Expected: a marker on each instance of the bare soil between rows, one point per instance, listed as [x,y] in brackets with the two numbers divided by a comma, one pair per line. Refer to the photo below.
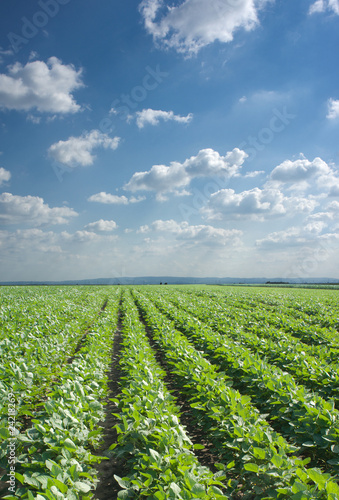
[108,488]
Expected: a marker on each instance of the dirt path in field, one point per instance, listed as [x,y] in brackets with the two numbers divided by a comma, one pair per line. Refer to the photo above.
[108,488]
[206,457]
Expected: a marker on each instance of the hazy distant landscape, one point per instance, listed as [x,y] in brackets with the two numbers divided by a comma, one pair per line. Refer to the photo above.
[175,280]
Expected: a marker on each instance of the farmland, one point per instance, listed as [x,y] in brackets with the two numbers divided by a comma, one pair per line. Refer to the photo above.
[160,392]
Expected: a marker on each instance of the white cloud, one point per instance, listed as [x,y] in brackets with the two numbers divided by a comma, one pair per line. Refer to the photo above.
[153,117]
[143,229]
[34,119]
[78,150]
[136,199]
[299,170]
[108,198]
[255,204]
[113,199]
[298,175]
[294,236]
[255,173]
[193,24]
[334,207]
[176,176]
[102,225]
[23,240]
[324,5]
[5,175]
[32,210]
[46,87]
[4,53]
[333,109]
[199,234]
[80,236]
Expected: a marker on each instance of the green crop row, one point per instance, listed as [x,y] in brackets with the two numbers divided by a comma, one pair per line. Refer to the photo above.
[151,439]
[53,457]
[310,328]
[310,420]
[279,349]
[258,458]
[38,343]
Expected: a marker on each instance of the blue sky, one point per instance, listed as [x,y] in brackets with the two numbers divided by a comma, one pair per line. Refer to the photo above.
[183,138]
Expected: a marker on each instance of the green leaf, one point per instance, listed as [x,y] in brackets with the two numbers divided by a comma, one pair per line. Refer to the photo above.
[198,447]
[298,487]
[69,445]
[333,488]
[259,453]
[4,433]
[160,495]
[123,482]
[175,488]
[20,477]
[154,454]
[317,477]
[83,487]
[123,494]
[333,461]
[198,489]
[251,467]
[62,487]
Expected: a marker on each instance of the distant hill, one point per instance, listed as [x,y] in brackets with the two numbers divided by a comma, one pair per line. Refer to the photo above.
[175,280]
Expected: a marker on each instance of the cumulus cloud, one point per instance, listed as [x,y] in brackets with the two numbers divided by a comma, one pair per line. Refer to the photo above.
[293,236]
[79,236]
[299,174]
[78,150]
[31,210]
[200,233]
[325,6]
[299,170]
[113,199]
[102,225]
[255,204]
[46,87]
[153,117]
[193,24]
[333,109]
[176,176]
[5,175]
[23,240]
[143,229]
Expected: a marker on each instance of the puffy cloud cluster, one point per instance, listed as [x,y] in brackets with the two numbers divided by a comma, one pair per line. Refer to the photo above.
[303,173]
[78,150]
[333,109]
[255,204]
[153,117]
[193,24]
[46,87]
[5,175]
[324,6]
[102,226]
[299,171]
[293,236]
[32,210]
[173,178]
[113,199]
[197,233]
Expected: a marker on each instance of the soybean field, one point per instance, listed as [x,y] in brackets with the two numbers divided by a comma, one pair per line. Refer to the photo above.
[169,392]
